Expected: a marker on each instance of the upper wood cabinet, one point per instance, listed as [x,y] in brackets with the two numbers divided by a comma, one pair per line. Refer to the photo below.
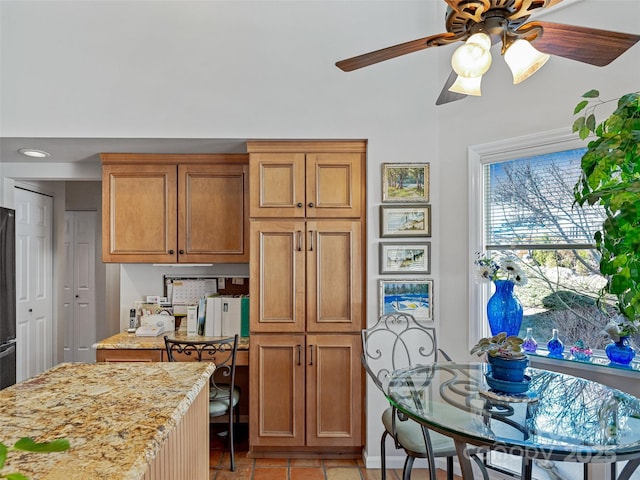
[175,208]
[306,276]
[306,179]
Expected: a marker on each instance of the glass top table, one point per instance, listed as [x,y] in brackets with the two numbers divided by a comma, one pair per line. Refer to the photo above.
[560,417]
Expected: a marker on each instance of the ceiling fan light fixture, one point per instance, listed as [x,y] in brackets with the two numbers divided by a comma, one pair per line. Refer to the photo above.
[473,59]
[467,86]
[523,60]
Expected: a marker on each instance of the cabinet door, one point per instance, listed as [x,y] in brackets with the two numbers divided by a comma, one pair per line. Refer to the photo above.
[277,183]
[139,219]
[213,213]
[334,185]
[276,390]
[334,390]
[334,276]
[277,269]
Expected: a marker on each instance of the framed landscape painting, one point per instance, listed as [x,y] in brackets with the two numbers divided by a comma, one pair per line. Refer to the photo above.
[405,257]
[405,220]
[414,297]
[405,182]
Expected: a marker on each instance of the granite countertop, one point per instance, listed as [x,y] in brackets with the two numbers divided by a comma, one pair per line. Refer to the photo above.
[116,416]
[126,340]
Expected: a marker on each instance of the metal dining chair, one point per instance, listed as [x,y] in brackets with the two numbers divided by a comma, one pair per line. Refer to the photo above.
[224,395]
[396,341]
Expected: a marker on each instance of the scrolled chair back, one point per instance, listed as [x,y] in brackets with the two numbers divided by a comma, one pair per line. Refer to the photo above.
[396,341]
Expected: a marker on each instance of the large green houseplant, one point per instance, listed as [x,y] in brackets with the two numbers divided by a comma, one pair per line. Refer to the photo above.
[611,178]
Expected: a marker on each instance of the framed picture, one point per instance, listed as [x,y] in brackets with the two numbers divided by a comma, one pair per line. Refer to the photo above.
[405,182]
[405,257]
[407,296]
[405,221]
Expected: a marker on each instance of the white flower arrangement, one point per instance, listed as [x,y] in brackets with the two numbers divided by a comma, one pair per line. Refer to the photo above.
[620,327]
[504,268]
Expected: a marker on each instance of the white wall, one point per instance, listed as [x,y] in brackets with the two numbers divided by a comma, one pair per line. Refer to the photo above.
[264,69]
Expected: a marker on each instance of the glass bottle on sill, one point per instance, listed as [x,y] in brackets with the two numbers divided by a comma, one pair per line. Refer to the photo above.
[529,345]
[555,345]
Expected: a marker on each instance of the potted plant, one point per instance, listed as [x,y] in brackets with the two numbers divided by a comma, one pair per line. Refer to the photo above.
[505,355]
[611,178]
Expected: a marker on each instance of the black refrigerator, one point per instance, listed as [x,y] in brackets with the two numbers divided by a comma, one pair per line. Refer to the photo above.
[7,297]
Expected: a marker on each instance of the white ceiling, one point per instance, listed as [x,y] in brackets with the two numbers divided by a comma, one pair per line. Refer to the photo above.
[71,150]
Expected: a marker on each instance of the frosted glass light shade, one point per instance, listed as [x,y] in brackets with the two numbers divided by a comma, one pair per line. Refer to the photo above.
[472,59]
[467,86]
[524,60]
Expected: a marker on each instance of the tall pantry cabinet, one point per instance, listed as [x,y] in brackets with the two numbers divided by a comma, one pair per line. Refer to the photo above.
[307,264]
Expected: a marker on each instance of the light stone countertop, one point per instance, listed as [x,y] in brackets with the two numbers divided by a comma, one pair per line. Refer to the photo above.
[116,416]
[127,341]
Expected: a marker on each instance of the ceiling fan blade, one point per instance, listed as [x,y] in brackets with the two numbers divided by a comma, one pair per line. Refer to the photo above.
[388,53]
[445,95]
[583,44]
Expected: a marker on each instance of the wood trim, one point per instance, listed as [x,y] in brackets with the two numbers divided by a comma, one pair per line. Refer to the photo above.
[185,452]
[171,158]
[133,355]
[307,146]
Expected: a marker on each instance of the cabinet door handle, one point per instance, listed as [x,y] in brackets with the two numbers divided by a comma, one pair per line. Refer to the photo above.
[311,240]
[299,233]
[310,354]
[170,252]
[299,204]
[181,252]
[299,355]
[310,204]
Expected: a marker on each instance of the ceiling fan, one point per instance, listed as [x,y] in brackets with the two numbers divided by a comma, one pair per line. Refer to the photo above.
[526,46]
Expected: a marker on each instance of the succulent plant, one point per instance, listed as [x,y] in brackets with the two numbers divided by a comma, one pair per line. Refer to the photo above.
[500,345]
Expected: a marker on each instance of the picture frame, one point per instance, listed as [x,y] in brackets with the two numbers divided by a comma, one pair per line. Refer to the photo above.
[414,297]
[405,182]
[405,257]
[405,220]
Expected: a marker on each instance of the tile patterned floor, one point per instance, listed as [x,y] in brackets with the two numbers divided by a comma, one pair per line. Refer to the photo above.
[294,468]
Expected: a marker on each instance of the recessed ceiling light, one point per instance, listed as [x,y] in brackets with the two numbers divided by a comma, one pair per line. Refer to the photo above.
[31,152]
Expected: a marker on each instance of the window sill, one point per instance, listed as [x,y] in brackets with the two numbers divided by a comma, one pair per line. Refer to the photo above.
[599,364]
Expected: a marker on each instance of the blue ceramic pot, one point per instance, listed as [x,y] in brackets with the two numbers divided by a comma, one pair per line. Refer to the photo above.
[620,352]
[510,370]
[504,311]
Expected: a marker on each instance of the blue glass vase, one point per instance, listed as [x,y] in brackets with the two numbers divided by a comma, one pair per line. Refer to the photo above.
[555,345]
[504,310]
[620,352]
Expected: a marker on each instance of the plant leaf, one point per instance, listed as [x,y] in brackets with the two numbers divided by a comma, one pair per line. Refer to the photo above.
[29,445]
[580,106]
[3,454]
[591,94]
[15,476]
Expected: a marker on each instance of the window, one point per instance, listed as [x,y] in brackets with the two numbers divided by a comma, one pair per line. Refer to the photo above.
[521,203]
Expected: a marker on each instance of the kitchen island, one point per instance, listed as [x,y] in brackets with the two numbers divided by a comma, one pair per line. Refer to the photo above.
[124,421]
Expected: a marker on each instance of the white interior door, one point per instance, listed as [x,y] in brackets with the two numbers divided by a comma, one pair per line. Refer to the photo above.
[34,305]
[79,286]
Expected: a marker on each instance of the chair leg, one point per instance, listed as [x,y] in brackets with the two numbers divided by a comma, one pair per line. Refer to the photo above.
[483,469]
[230,438]
[408,465]
[449,468]
[383,456]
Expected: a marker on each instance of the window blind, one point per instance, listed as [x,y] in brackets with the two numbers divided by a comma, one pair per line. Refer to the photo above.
[529,203]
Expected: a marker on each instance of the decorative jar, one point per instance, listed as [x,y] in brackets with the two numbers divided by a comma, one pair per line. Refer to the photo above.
[504,311]
[580,352]
[529,344]
[555,345]
[620,352]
